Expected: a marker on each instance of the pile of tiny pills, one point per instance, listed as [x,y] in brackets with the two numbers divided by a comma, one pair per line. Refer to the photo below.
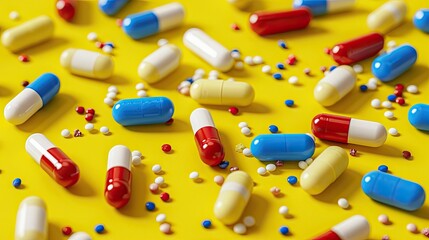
[245,128]
[304,164]
[141,92]
[111,96]
[264,170]
[136,157]
[241,228]
[252,61]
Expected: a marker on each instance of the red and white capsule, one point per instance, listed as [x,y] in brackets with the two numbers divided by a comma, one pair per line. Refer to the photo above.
[118,181]
[206,137]
[267,22]
[54,161]
[357,49]
[353,228]
[66,9]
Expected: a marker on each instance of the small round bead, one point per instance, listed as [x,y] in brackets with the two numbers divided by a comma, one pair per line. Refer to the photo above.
[107,49]
[194,175]
[371,86]
[92,36]
[166,148]
[223,164]
[391,97]
[261,171]
[373,81]
[425,232]
[293,80]
[159,180]
[165,228]
[160,218]
[111,95]
[284,230]
[89,127]
[273,128]
[99,228]
[283,210]
[139,86]
[136,153]
[232,169]
[246,131]
[136,160]
[156,168]
[389,114]
[236,55]
[243,124]
[206,223]
[99,44]
[406,154]
[16,182]
[280,66]
[161,42]
[77,133]
[289,103]
[214,73]
[271,167]
[375,103]
[307,71]
[239,65]
[153,187]
[282,44]
[302,164]
[292,180]
[89,117]
[248,60]
[141,93]
[277,76]
[164,196]
[104,130]
[249,221]
[65,133]
[218,180]
[90,111]
[332,68]
[400,101]
[14,15]
[383,218]
[363,88]
[23,58]
[411,227]
[247,152]
[185,91]
[266,69]
[309,161]
[109,44]
[383,168]
[108,101]
[398,93]
[412,89]
[25,83]
[113,89]
[150,206]
[327,51]
[233,110]
[240,228]
[393,131]
[67,231]
[385,237]
[343,203]
[386,104]
[358,68]
[275,191]
[258,60]
[353,152]
[399,87]
[80,110]
[391,44]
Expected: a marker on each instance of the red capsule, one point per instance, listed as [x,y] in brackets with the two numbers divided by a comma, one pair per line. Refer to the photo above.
[66,9]
[358,49]
[265,23]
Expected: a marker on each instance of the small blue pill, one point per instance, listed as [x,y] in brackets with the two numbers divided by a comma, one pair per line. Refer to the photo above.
[150,206]
[282,44]
[277,76]
[273,128]
[235,50]
[109,44]
[363,88]
[16,182]
[190,80]
[383,168]
[223,164]
[289,103]
[99,228]
[331,68]
[207,223]
[391,97]
[292,180]
[280,66]
[284,230]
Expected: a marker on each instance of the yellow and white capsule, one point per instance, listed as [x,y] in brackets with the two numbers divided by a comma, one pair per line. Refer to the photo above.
[160,63]
[387,17]
[30,33]
[324,170]
[87,63]
[31,220]
[233,197]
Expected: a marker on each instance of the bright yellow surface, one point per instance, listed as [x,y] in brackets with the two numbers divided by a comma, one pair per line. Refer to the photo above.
[83,206]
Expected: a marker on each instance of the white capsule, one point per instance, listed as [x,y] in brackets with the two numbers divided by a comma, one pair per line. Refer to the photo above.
[386,104]
[139,86]
[87,63]
[247,152]
[261,171]
[218,180]
[302,164]
[156,168]
[393,131]
[14,15]
[107,49]
[141,93]
[113,89]
[161,42]
[271,167]
[283,210]
[246,131]
[65,133]
[266,69]
[293,80]
[343,203]
[31,219]
[160,63]
[236,55]
[165,228]
[80,236]
[111,95]
[194,175]
[358,68]
[249,221]
[375,103]
[109,102]
[239,65]
[240,228]
[89,127]
[412,89]
[249,60]
[104,130]
[258,60]
[242,125]
[159,180]
[92,36]
[389,114]
[161,218]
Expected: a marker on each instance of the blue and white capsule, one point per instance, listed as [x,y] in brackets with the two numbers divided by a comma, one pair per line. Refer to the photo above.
[143,111]
[160,19]
[418,116]
[393,191]
[421,20]
[32,99]
[392,64]
[283,147]
[322,7]
[111,7]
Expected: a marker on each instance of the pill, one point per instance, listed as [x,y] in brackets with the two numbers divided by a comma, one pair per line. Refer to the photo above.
[87,63]
[391,65]
[393,191]
[353,228]
[348,130]
[160,63]
[66,9]
[206,137]
[30,33]
[272,22]
[31,219]
[80,236]
[143,111]
[220,92]
[322,7]
[241,4]
[357,49]
[233,197]
[208,49]
[160,19]
[118,181]
[418,116]
[111,7]
[388,16]
[325,169]
[421,20]
[283,147]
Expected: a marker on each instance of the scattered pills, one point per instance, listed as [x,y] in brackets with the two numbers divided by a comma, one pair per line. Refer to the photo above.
[383,168]
[261,171]
[109,101]
[165,228]
[343,203]
[236,55]
[412,89]
[275,191]
[400,101]
[194,175]
[389,114]
[65,133]
[358,68]
[150,206]
[160,218]
[271,167]
[159,180]
[293,80]
[206,223]
[283,210]
[282,44]
[104,130]
[371,86]
[243,124]
[391,97]
[136,153]
[223,164]
[307,71]
[425,232]
[280,66]
[239,65]
[376,103]
[240,228]
[92,36]
[23,58]
[16,182]
[246,131]
[99,228]
[77,133]
[107,49]
[233,110]
[111,95]
[156,168]
[383,218]
[153,187]
[247,152]
[248,60]
[140,86]
[411,227]
[363,88]
[25,83]
[302,164]
[386,104]
[393,131]
[112,89]
[309,161]
[161,42]
[249,221]
[218,179]
[278,76]
[353,152]
[284,230]
[266,69]
[385,237]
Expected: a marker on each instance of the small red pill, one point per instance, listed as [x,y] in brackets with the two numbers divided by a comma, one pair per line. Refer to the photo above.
[166,148]
[67,231]
[91,111]
[233,110]
[327,51]
[406,154]
[400,101]
[235,27]
[99,44]
[169,122]
[66,9]
[164,196]
[89,117]
[80,109]
[399,87]
[398,92]
[119,22]
[23,58]
[25,83]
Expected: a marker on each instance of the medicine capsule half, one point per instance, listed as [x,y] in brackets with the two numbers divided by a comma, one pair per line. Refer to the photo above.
[393,191]
[421,20]
[418,116]
[87,63]
[160,19]
[32,99]
[324,170]
[335,85]
[283,147]
[233,197]
[220,92]
[143,111]
[388,16]
[30,33]
[118,181]
[160,63]
[31,220]
[358,49]
[353,228]
[208,49]
[111,7]
[66,9]
[391,65]
[268,22]
[348,130]
[322,7]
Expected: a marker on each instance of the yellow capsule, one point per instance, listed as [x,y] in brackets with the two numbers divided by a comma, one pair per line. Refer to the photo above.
[160,63]
[87,63]
[387,17]
[220,92]
[325,169]
[233,197]
[31,220]
[30,33]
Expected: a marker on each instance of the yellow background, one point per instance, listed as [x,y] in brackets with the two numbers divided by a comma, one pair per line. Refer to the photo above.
[83,206]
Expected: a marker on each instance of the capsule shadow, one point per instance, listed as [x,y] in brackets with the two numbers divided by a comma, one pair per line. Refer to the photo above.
[54,42]
[82,188]
[84,13]
[309,31]
[136,207]
[131,7]
[54,231]
[255,5]
[115,79]
[415,75]
[5,92]
[402,30]
[344,186]
[255,107]
[385,150]
[238,73]
[177,126]
[255,208]
[355,12]
[172,81]
[352,102]
[423,212]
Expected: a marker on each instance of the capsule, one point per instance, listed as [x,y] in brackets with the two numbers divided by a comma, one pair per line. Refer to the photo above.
[66,9]
[421,20]
[283,147]
[206,137]
[325,169]
[387,17]
[353,228]
[418,116]
[160,63]
[31,220]
[87,63]
[348,130]
[266,23]
[233,197]
[322,7]
[241,4]
[143,111]
[208,49]
[111,7]
[357,49]
[393,191]
[118,180]
[160,19]
[220,92]
[32,99]
[335,85]
[391,65]
[80,236]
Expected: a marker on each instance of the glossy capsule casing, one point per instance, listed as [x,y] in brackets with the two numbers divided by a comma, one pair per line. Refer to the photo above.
[160,63]
[143,111]
[31,220]
[393,191]
[324,170]
[206,137]
[421,20]
[353,228]
[87,63]
[322,7]
[393,64]
[418,116]
[111,7]
[118,181]
[387,17]
[268,22]
[66,9]
[282,147]
[233,197]
[357,49]
[80,236]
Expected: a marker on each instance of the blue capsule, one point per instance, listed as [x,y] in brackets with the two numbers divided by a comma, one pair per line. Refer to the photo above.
[421,20]
[418,116]
[283,147]
[143,111]
[393,191]
[322,7]
[391,65]
[111,7]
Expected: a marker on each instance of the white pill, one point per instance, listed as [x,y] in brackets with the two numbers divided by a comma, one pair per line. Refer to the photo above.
[393,131]
[309,161]
[375,103]
[104,130]
[136,153]
[240,228]
[391,44]
[236,55]
[266,69]
[200,72]
[411,227]
[293,80]
[184,84]
[239,65]
[141,93]
[283,210]
[107,49]
[302,164]
[242,125]
[139,86]
[257,60]
[249,60]
[212,78]
[371,86]
[246,131]
[412,89]
[197,77]
[389,114]
[159,180]
[184,91]
[14,15]
[65,133]
[249,221]
[89,127]
[358,68]
[271,167]
[343,203]
[112,89]
[261,171]
[373,81]
[161,42]
[136,160]
[92,36]
[111,95]
[218,179]
[156,168]
[247,152]
[214,73]
[386,104]
[165,228]
[109,101]
[194,175]
[161,218]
